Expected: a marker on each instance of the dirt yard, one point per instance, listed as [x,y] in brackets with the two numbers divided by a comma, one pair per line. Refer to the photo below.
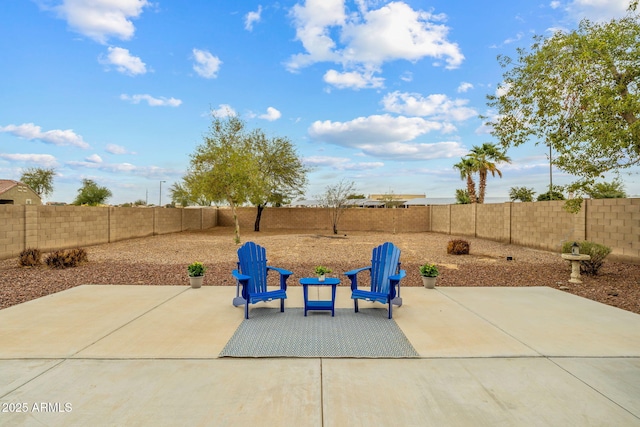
[162,260]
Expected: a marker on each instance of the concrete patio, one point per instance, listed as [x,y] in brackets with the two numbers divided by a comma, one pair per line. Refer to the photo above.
[147,355]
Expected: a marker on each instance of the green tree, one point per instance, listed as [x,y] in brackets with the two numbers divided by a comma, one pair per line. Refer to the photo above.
[576,91]
[180,194]
[91,194]
[467,167]
[524,194]
[554,194]
[281,173]
[606,190]
[39,180]
[224,168]
[485,158]
[335,198]
[462,197]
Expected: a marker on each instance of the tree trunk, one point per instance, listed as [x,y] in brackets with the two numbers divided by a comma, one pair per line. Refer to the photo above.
[482,187]
[236,223]
[471,189]
[256,226]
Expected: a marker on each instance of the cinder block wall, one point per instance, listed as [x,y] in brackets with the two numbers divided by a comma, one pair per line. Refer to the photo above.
[129,223]
[441,219]
[12,230]
[68,226]
[493,222]
[545,225]
[414,219]
[463,219]
[58,227]
[615,223]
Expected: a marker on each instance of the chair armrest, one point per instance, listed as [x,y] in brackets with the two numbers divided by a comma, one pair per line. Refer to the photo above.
[240,277]
[353,276]
[282,271]
[356,271]
[397,277]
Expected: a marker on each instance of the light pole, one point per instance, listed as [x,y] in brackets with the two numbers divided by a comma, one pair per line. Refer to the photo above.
[160,202]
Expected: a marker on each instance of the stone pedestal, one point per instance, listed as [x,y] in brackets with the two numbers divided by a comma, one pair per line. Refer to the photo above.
[575,266]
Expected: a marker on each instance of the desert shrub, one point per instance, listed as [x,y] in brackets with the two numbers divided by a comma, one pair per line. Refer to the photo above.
[458,247]
[66,258]
[30,257]
[597,252]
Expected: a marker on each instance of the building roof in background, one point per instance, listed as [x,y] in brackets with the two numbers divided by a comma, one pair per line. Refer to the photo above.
[8,184]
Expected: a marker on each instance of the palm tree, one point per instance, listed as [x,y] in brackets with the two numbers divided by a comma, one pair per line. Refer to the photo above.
[467,168]
[485,158]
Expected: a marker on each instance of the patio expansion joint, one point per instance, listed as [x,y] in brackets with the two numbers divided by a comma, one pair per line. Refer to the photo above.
[125,324]
[60,361]
[549,358]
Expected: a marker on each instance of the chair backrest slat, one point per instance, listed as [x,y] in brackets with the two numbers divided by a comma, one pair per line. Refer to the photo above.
[253,262]
[384,263]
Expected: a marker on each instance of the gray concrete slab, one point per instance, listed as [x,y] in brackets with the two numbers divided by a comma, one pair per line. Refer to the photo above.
[616,378]
[61,324]
[552,322]
[222,392]
[142,355]
[196,323]
[462,392]
[438,326]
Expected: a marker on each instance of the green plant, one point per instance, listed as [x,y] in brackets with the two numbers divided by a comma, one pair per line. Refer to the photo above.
[429,270]
[29,257]
[196,269]
[458,247]
[320,270]
[596,251]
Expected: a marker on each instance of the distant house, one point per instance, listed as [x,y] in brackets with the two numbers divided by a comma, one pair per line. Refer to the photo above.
[17,193]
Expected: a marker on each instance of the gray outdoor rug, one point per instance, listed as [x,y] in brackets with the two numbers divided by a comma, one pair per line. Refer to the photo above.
[367,334]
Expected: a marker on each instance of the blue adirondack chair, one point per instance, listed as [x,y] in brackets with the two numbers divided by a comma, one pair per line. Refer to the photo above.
[385,277]
[252,276]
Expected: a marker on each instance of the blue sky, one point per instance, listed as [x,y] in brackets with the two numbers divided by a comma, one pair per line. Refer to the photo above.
[385,94]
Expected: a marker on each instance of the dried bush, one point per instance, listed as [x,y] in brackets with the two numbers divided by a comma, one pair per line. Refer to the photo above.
[458,247]
[66,258]
[30,257]
[597,252]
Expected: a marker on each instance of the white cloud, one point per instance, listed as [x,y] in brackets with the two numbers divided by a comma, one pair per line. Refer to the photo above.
[117,149]
[597,10]
[151,101]
[94,158]
[206,65]
[152,172]
[251,18]
[341,163]
[464,87]
[366,39]
[124,62]
[385,136]
[436,106]
[56,137]
[554,4]
[224,110]
[353,80]
[44,160]
[102,19]
[407,76]
[271,114]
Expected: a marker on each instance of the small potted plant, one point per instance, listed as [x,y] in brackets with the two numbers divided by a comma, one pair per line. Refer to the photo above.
[429,272]
[321,272]
[196,274]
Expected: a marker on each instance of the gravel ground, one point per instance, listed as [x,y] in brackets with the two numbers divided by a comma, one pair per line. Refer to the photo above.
[162,260]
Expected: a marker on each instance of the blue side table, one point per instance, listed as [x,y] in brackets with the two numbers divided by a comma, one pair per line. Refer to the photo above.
[323,304]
